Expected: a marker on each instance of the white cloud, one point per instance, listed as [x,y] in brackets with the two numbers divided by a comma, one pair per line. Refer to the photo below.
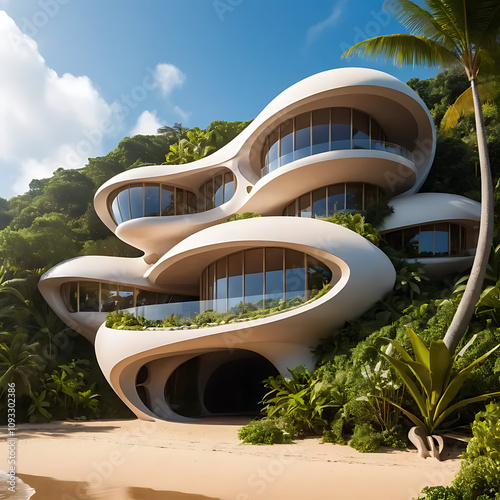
[317,29]
[147,124]
[47,121]
[183,114]
[168,77]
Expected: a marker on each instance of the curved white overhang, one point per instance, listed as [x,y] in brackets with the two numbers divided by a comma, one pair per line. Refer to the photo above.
[424,208]
[391,172]
[126,271]
[398,109]
[437,268]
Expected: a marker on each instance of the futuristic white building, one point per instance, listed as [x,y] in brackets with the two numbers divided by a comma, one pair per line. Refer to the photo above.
[336,141]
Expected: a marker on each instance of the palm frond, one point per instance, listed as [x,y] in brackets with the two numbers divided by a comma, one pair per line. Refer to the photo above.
[404,49]
[465,104]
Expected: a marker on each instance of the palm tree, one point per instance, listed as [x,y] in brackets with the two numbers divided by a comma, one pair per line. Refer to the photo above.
[174,133]
[447,33]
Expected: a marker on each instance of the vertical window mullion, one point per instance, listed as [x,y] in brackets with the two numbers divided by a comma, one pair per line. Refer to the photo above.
[143,198]
[284,275]
[351,126]
[370,133]
[306,286]
[330,133]
[264,278]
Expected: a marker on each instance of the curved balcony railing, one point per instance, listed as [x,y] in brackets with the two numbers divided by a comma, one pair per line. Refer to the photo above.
[374,145]
[235,305]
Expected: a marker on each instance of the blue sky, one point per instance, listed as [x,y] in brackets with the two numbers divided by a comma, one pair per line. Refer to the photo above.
[77,76]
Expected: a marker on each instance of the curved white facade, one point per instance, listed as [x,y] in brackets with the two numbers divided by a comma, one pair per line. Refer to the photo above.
[334,141]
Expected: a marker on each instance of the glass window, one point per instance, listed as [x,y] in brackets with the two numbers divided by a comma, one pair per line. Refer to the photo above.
[180,201]
[254,278]
[294,274]
[341,128]
[286,142]
[273,155]
[73,297]
[319,202]
[441,242]
[167,201]
[124,205]
[235,282]
[394,239]
[274,276]
[321,131]
[228,187]
[137,201]
[146,298]
[411,238]
[376,135]
[371,195]
[302,136]
[209,194]
[211,277]
[191,203]
[151,200]
[115,210]
[218,190]
[221,276]
[305,206]
[317,275]
[202,202]
[354,196]
[336,199]
[454,239]
[125,298]
[89,297]
[109,297]
[427,240]
[360,130]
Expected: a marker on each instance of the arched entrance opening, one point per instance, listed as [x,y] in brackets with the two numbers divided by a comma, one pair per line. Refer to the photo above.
[228,382]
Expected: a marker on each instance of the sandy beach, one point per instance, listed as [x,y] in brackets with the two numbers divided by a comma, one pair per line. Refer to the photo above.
[123,459]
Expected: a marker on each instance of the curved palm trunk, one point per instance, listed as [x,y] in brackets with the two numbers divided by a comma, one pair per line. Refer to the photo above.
[472,292]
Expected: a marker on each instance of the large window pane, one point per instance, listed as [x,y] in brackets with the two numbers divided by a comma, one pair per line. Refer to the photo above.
[209,194]
[354,196]
[360,130]
[115,210]
[273,155]
[180,201]
[254,278]
[454,239]
[319,202]
[167,200]
[371,195]
[295,279]
[151,200]
[137,201]
[336,199]
[441,241]
[109,297]
[228,187]
[427,240]
[305,206]
[274,276]
[191,203]
[211,281]
[302,136]
[202,201]
[411,238]
[221,277]
[146,298]
[317,275]
[218,190]
[124,204]
[286,142]
[341,128]
[89,297]
[125,299]
[73,297]
[321,131]
[235,281]
[395,240]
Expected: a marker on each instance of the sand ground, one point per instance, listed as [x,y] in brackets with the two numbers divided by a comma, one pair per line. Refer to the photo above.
[207,459]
